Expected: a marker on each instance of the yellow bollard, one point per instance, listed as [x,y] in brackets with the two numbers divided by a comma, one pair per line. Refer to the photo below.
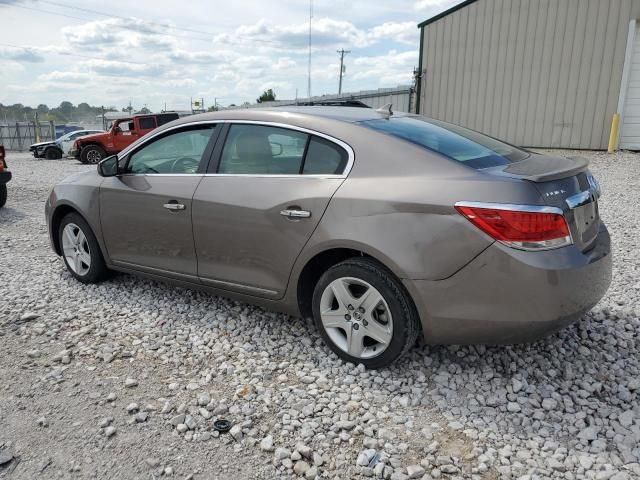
[613,136]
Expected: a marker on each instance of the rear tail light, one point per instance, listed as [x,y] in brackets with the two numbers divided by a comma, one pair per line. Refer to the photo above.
[526,227]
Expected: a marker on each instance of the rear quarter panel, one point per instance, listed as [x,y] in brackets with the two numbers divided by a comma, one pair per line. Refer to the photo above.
[397,205]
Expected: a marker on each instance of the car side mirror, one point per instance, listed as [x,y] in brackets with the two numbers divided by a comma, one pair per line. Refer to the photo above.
[108,167]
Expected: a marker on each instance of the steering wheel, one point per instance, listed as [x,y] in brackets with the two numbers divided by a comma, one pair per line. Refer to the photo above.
[185,165]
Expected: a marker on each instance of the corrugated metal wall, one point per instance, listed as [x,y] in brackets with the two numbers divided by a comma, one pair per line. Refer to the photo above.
[539,73]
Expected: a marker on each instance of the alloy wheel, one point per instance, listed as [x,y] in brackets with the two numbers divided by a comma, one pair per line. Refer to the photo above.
[76,249]
[93,156]
[356,317]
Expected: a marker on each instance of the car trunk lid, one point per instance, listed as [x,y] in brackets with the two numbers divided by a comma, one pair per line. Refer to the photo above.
[565,183]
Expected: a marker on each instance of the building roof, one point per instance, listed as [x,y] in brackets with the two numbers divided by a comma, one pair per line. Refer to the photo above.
[446,12]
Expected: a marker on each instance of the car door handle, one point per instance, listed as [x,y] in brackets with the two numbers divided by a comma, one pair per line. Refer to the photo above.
[174,206]
[295,213]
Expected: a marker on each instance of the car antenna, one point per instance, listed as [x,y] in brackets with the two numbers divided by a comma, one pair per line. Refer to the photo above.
[385,110]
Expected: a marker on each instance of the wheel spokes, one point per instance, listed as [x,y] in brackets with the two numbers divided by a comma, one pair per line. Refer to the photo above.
[342,293]
[334,319]
[378,332]
[355,341]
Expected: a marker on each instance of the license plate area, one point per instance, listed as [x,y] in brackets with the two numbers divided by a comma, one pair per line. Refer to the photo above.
[584,220]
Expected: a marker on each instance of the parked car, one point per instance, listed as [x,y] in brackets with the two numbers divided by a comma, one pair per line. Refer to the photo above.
[60,147]
[123,132]
[378,225]
[5,176]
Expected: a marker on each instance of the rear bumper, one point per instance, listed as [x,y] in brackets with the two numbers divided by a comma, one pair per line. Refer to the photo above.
[512,296]
[5,176]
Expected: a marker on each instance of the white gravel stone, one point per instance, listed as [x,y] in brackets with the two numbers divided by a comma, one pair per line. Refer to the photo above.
[266,444]
[564,407]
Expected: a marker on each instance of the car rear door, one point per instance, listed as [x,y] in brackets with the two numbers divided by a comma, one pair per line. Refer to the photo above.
[145,212]
[265,193]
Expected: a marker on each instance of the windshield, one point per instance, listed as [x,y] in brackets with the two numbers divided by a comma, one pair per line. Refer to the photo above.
[471,148]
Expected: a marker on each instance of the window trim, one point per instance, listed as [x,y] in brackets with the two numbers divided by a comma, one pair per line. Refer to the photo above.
[206,154]
[215,162]
[217,143]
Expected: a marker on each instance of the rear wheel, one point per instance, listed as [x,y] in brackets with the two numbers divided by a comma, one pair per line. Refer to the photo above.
[3,195]
[52,154]
[92,154]
[364,314]
[80,250]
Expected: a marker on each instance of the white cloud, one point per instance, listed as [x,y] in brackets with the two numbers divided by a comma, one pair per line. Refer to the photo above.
[27,55]
[392,69]
[402,32]
[325,32]
[113,60]
[424,4]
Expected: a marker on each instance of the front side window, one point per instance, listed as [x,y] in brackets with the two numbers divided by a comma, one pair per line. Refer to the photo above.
[176,152]
[262,150]
[126,126]
[471,148]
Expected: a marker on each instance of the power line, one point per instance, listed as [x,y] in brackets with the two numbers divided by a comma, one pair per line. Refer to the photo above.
[152,22]
[72,54]
[121,27]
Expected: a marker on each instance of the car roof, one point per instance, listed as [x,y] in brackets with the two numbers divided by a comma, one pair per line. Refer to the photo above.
[343,114]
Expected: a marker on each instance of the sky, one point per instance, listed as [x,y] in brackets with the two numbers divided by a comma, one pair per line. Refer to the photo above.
[164,52]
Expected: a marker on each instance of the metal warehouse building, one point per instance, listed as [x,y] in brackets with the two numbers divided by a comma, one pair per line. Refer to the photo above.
[538,73]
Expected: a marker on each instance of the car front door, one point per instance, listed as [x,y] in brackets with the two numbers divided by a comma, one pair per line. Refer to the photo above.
[123,135]
[145,212]
[254,212]
[67,143]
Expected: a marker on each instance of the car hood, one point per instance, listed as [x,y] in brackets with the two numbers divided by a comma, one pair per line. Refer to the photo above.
[42,144]
[94,136]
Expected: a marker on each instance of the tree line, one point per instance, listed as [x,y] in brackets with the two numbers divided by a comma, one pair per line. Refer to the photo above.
[66,112]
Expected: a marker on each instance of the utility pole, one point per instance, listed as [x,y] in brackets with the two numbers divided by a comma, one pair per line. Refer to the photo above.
[309,73]
[342,53]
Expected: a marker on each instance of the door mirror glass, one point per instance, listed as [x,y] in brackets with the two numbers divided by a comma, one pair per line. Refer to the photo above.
[108,167]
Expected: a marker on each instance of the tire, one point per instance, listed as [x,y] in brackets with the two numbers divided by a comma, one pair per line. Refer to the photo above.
[3,195]
[92,154]
[52,154]
[90,267]
[390,317]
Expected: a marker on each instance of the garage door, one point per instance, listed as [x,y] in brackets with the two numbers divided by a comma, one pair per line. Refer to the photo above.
[630,132]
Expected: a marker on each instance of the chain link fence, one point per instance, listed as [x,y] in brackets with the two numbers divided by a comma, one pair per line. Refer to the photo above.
[20,135]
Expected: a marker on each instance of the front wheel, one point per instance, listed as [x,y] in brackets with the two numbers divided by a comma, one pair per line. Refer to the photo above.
[364,314]
[52,154]
[92,154]
[80,250]
[3,195]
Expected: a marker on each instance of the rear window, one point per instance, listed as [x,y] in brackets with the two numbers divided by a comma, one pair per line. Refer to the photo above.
[471,148]
[324,158]
[147,122]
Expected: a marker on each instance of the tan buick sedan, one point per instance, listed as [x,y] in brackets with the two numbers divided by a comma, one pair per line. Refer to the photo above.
[380,226]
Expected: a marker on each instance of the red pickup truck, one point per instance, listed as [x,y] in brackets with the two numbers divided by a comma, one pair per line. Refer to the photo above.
[123,132]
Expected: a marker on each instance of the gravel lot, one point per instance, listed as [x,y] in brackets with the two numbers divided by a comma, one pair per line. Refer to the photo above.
[124,379]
